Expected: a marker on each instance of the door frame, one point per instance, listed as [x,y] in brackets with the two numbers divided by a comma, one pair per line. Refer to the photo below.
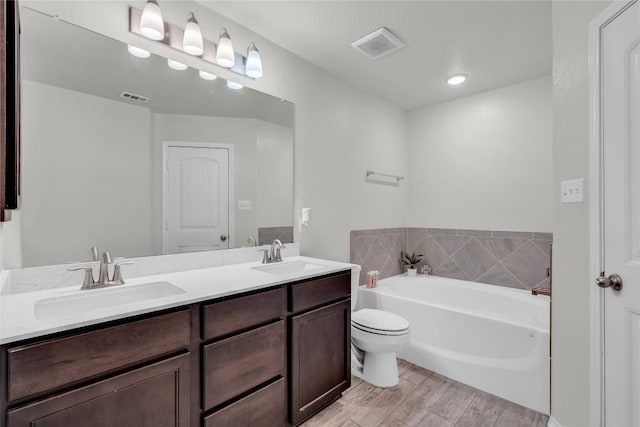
[165,189]
[596,210]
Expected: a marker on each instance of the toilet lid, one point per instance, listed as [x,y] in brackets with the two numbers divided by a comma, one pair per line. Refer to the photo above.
[379,320]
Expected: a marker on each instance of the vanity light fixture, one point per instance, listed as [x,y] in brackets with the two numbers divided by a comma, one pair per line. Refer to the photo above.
[192,42]
[148,23]
[175,65]
[234,85]
[151,22]
[207,76]
[456,79]
[253,67]
[138,52]
[225,56]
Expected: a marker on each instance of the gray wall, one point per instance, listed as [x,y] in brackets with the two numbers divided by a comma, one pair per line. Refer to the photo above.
[489,154]
[571,280]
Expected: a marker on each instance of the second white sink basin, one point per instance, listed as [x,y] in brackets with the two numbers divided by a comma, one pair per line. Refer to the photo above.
[289,267]
[86,301]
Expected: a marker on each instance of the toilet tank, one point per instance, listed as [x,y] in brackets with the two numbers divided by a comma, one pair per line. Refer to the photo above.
[355,280]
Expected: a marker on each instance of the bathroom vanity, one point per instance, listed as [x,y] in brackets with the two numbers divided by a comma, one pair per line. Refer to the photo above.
[270,356]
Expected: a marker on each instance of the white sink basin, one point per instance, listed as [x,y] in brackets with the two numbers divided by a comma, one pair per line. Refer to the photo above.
[289,267]
[90,300]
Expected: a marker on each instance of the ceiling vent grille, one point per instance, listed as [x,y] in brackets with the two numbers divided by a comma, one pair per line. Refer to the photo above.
[133,97]
[379,43]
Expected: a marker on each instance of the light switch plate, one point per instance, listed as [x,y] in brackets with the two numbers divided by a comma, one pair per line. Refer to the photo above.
[244,205]
[572,191]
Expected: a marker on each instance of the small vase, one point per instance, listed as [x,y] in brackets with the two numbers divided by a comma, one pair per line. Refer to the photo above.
[411,272]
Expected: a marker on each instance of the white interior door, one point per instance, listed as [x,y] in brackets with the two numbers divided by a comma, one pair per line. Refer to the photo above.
[197,199]
[620,115]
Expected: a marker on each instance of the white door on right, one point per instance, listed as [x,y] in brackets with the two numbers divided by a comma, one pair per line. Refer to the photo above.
[620,115]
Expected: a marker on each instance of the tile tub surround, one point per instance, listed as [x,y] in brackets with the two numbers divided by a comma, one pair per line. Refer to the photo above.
[378,249]
[504,258]
[266,235]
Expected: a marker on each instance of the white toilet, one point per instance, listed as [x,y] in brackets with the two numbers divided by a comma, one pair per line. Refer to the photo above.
[376,336]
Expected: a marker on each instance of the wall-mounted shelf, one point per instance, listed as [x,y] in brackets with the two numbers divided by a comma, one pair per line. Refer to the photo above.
[388,178]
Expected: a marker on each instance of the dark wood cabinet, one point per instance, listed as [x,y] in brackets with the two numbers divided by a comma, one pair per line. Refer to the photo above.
[242,361]
[238,364]
[263,408]
[156,395]
[320,358]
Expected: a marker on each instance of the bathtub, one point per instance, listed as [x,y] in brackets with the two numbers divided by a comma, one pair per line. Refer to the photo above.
[490,337]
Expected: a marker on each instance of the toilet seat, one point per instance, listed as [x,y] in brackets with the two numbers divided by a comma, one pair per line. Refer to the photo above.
[379,322]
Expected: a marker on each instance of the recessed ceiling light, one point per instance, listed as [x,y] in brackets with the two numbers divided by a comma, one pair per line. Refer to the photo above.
[234,85]
[456,79]
[136,51]
[175,65]
[207,76]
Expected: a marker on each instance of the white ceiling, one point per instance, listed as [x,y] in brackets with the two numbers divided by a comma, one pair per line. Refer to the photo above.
[496,43]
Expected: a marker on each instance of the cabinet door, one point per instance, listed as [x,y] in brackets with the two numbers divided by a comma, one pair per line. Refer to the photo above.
[320,358]
[153,396]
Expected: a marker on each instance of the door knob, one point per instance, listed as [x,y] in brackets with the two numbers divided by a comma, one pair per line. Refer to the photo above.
[223,237]
[613,281]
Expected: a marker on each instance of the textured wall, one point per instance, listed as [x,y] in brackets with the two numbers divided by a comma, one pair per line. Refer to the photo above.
[483,162]
[570,374]
[504,258]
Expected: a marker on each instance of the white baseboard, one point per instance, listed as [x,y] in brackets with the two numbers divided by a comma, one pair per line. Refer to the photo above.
[553,423]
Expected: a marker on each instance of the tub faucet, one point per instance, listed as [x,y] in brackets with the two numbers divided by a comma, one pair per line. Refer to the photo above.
[426,270]
[541,291]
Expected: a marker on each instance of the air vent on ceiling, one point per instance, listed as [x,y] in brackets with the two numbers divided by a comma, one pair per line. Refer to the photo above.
[379,43]
[133,97]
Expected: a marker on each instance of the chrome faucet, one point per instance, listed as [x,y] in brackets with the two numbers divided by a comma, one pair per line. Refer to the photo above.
[252,241]
[103,278]
[272,254]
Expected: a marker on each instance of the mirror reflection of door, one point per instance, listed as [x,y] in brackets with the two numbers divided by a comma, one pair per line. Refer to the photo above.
[196,197]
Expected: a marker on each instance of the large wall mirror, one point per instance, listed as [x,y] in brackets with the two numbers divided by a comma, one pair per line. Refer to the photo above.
[128,155]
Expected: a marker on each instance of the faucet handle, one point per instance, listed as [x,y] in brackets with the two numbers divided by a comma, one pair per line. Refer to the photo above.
[117,273]
[88,274]
[278,256]
[265,255]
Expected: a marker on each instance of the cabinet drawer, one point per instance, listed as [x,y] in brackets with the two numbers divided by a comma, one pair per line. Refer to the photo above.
[153,396]
[39,367]
[237,364]
[263,408]
[225,317]
[320,291]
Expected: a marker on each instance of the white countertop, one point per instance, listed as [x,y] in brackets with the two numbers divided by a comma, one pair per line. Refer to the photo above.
[18,320]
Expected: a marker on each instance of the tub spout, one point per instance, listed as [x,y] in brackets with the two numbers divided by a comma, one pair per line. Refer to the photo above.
[541,291]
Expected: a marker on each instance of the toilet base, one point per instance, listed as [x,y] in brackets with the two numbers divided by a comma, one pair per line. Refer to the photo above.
[380,369]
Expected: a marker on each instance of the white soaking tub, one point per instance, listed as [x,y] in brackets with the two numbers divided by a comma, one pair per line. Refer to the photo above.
[489,337]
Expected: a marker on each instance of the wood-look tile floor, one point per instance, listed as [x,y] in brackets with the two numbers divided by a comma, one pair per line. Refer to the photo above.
[423,399]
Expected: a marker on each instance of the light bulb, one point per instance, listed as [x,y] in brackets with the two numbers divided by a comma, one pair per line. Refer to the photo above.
[225,56]
[234,85]
[253,67]
[456,79]
[136,51]
[175,65]
[151,23]
[192,40]
[207,76]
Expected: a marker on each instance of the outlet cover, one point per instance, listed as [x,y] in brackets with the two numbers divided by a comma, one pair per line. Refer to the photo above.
[244,205]
[572,191]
